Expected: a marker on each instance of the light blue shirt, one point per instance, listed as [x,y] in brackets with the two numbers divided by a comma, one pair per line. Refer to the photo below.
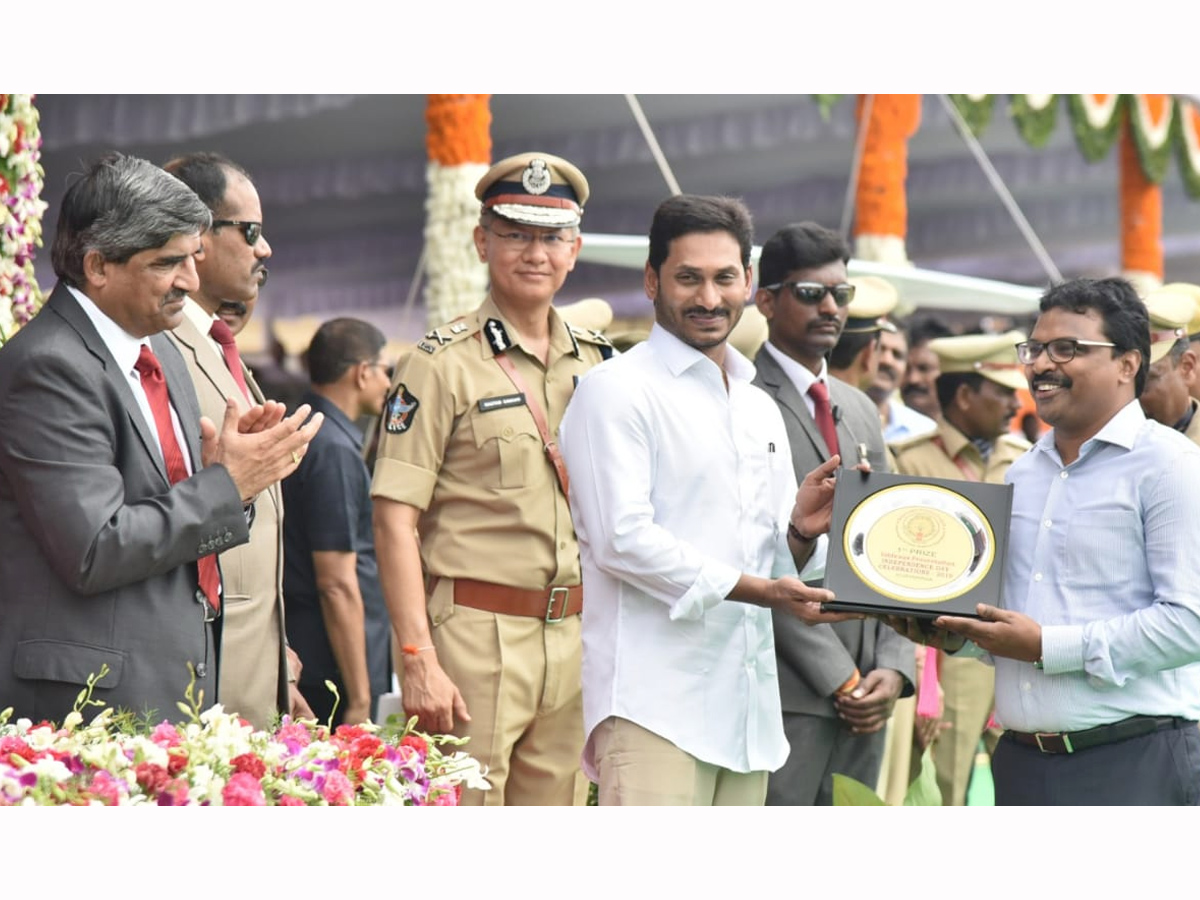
[904,421]
[1105,555]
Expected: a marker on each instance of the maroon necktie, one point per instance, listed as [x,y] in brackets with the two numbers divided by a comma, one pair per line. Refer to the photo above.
[155,386]
[823,414]
[222,335]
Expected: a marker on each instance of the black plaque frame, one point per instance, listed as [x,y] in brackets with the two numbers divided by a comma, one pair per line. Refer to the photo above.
[855,594]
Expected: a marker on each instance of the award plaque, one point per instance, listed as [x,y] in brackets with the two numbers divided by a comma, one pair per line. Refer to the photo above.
[907,546]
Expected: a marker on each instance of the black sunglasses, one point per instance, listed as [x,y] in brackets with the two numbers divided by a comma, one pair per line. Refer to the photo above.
[813,292]
[251,231]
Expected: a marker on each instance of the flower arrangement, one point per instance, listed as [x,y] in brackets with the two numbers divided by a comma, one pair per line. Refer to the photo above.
[21,209]
[217,759]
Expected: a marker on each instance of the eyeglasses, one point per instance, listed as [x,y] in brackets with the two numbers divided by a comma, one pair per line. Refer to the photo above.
[251,231]
[813,292]
[1060,350]
[553,241]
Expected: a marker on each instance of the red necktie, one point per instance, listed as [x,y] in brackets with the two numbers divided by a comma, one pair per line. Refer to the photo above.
[222,335]
[155,386]
[823,414]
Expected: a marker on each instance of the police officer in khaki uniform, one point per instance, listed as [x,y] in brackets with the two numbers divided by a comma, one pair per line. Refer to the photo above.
[976,389]
[477,552]
[1173,364]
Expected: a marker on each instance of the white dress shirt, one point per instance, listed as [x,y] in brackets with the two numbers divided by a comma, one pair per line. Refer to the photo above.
[678,487]
[802,379]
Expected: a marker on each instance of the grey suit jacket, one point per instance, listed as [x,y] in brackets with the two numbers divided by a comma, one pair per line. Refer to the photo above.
[253,664]
[98,549]
[815,660]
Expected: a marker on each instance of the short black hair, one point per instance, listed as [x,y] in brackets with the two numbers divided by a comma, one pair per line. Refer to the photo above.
[848,347]
[340,344]
[689,213]
[802,245]
[205,172]
[1123,315]
[923,329]
[948,382]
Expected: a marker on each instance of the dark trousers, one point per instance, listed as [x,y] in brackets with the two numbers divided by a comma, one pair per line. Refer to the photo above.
[1158,769]
[821,746]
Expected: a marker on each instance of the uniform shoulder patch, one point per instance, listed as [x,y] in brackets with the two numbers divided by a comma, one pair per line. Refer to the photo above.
[400,411]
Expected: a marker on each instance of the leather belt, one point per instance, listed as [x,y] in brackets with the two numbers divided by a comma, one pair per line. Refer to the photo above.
[1074,741]
[553,604]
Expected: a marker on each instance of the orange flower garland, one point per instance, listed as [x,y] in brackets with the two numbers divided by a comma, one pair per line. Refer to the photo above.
[459,128]
[1141,216]
[881,205]
[459,145]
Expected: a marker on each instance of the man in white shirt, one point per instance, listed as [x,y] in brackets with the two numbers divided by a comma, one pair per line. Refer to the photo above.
[684,498]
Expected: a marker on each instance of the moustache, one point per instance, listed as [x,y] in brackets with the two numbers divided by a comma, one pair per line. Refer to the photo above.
[233,306]
[914,389]
[888,372]
[174,296]
[701,311]
[1061,381]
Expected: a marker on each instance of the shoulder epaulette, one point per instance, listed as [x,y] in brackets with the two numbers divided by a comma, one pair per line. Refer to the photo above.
[443,335]
[907,443]
[590,335]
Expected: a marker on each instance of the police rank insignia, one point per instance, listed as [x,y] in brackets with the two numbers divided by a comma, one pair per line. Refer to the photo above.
[536,177]
[497,337]
[401,410]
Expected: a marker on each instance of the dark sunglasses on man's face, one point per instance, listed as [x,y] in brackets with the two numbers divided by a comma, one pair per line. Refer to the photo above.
[811,293]
[251,231]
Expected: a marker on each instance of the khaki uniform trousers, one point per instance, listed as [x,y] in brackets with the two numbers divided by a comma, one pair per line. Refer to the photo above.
[520,678]
[970,691]
[639,768]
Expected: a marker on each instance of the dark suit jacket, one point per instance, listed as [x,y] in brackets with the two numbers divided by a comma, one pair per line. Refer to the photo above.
[815,660]
[97,549]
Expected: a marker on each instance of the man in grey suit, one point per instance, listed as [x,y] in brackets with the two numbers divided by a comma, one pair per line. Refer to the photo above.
[838,682]
[114,492]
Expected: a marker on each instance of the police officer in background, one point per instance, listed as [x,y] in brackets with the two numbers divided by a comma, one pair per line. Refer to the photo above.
[477,551]
[976,390]
[1173,374]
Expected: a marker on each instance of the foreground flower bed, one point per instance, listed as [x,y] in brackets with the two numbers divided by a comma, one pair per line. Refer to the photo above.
[218,759]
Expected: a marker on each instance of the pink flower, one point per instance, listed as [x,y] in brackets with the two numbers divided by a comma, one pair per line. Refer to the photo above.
[243,789]
[338,790]
[174,793]
[444,798]
[165,735]
[10,746]
[152,777]
[289,800]
[105,788]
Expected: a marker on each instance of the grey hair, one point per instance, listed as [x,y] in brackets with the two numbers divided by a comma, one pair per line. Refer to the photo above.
[121,206]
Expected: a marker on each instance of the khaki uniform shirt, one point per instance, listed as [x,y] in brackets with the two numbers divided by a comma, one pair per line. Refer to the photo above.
[460,443]
[922,456]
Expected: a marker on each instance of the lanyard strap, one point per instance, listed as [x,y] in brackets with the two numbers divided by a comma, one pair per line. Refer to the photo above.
[539,419]
[962,464]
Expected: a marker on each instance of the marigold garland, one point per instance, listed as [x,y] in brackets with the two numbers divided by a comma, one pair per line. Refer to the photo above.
[1141,213]
[1095,119]
[1150,119]
[881,206]
[459,145]
[1186,129]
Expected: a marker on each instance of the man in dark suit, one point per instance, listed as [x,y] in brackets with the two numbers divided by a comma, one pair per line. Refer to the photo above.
[838,682]
[114,492]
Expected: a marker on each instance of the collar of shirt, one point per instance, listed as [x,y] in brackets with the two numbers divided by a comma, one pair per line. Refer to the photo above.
[334,415]
[122,345]
[561,341]
[1122,429]
[202,319]
[798,374]
[678,357]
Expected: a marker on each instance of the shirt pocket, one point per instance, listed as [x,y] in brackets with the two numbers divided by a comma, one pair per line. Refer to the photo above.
[511,447]
[1104,550]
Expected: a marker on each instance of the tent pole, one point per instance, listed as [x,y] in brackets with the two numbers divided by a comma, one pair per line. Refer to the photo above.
[652,142]
[860,144]
[1006,197]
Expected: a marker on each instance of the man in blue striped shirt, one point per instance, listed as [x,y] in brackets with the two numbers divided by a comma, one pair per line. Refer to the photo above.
[1097,643]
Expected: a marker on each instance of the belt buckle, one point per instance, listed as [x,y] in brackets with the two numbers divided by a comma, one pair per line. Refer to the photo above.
[1063,737]
[556,592]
